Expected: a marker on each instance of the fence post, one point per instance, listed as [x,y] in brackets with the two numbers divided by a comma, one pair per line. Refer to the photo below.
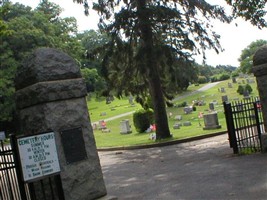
[13,142]
[230,126]
[257,122]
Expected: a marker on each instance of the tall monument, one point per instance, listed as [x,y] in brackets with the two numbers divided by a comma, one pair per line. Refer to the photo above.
[50,97]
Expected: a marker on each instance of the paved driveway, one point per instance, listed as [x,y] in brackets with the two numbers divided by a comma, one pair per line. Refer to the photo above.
[204,169]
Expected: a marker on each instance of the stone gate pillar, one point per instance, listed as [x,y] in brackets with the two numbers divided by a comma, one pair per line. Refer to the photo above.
[260,71]
[50,96]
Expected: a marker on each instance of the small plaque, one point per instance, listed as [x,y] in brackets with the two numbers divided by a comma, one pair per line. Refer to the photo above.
[73,145]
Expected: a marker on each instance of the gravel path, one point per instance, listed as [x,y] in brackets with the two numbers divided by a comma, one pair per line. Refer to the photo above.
[206,87]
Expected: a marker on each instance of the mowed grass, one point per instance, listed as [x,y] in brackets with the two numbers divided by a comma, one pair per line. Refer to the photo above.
[115,139]
[99,110]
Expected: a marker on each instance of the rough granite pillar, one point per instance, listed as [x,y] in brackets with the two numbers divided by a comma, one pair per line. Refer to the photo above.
[50,96]
[260,71]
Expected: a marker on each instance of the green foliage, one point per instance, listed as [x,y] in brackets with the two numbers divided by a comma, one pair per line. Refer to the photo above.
[202,79]
[253,10]
[242,88]
[248,88]
[94,83]
[235,74]
[147,37]
[224,77]
[181,105]
[142,119]
[246,57]
[22,30]
[220,77]
[214,79]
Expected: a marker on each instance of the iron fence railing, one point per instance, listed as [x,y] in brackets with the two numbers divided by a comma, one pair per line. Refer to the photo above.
[244,124]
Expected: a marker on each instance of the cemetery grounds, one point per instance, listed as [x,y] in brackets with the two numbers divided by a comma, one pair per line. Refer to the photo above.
[120,109]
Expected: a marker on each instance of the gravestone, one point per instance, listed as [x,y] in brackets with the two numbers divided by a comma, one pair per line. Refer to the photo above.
[188,109]
[51,97]
[224,98]
[176,126]
[230,85]
[211,106]
[260,71]
[234,79]
[211,121]
[187,123]
[125,127]
[131,99]
[222,90]
[103,114]
[246,94]
[178,117]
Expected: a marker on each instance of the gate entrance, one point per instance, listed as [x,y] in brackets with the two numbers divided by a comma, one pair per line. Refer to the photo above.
[244,124]
[12,186]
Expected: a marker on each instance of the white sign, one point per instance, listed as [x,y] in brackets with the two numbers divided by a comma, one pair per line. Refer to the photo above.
[38,156]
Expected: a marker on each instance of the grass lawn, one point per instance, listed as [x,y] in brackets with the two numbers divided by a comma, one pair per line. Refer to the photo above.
[114,138]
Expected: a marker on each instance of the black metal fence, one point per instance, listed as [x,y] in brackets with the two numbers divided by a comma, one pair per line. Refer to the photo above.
[12,186]
[244,124]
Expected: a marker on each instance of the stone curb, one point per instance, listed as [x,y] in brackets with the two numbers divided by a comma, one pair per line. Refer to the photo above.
[161,144]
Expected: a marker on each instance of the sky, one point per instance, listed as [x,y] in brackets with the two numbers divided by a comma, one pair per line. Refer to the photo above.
[233,38]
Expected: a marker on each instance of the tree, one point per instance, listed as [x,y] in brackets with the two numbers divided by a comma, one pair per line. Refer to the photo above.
[22,30]
[246,57]
[250,10]
[94,83]
[147,37]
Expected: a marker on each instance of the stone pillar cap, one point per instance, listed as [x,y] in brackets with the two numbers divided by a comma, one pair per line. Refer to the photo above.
[46,64]
[260,61]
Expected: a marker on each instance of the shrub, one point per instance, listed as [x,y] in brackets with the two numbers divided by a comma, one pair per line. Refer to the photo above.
[181,105]
[142,119]
[224,77]
[248,88]
[214,79]
[202,79]
[241,89]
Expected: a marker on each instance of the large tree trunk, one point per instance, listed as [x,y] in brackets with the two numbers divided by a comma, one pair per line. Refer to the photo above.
[155,88]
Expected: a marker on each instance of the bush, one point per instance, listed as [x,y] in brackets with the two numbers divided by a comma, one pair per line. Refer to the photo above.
[224,77]
[142,119]
[241,89]
[214,79]
[202,79]
[181,105]
[248,88]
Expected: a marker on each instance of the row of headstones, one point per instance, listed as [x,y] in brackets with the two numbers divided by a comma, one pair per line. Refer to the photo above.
[125,126]
[210,121]
[230,85]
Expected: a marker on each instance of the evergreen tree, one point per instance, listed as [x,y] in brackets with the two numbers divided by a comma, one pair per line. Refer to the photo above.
[147,36]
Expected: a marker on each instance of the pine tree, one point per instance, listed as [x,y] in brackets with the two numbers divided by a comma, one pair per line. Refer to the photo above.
[147,37]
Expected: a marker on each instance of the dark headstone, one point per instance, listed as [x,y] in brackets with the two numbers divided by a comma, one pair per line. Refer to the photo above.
[211,106]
